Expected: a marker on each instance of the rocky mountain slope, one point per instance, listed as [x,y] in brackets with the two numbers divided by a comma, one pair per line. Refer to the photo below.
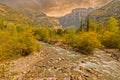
[26,16]
[105,12]
[74,18]
[39,18]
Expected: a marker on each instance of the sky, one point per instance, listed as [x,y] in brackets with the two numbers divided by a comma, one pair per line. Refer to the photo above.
[55,8]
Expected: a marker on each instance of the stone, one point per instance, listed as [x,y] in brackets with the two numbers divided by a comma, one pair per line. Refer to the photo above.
[81,68]
[80,78]
[74,77]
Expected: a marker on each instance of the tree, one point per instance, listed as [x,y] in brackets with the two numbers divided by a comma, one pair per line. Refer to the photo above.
[1,24]
[93,27]
[113,24]
[88,23]
[81,26]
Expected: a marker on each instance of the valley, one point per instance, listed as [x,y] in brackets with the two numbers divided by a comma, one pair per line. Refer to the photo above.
[83,44]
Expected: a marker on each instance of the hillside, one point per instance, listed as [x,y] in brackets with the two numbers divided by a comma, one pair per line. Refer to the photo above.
[74,18]
[39,18]
[105,12]
[10,15]
[26,16]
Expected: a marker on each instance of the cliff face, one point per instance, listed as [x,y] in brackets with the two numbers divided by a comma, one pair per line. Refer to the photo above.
[74,18]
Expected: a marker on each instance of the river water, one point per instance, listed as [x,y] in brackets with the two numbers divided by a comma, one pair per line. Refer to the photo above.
[61,64]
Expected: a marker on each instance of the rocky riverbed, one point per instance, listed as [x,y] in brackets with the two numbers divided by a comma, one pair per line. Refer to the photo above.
[55,63]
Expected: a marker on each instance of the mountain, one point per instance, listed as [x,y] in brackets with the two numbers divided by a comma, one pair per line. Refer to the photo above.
[74,18]
[10,15]
[26,16]
[39,18]
[111,9]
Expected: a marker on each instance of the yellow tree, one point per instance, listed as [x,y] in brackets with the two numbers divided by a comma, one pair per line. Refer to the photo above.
[113,24]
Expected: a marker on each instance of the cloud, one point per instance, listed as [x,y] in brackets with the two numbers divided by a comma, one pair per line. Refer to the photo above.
[54,7]
[62,7]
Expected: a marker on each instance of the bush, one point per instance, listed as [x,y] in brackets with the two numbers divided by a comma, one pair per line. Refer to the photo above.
[41,34]
[70,38]
[16,44]
[4,43]
[111,40]
[88,41]
[25,44]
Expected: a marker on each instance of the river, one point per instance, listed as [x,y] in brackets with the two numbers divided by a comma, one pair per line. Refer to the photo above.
[61,64]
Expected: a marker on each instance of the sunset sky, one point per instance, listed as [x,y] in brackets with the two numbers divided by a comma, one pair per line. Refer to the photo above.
[54,7]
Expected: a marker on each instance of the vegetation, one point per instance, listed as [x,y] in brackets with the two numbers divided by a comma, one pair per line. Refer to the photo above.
[85,40]
[16,41]
[20,40]
[102,14]
[111,40]
[88,41]
[113,25]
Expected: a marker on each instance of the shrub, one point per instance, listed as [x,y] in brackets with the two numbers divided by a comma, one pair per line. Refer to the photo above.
[16,44]
[4,43]
[41,34]
[111,40]
[87,42]
[70,38]
[27,44]
[59,32]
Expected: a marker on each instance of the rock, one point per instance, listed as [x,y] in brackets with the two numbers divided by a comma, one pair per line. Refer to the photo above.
[82,61]
[116,56]
[74,77]
[81,68]
[90,71]
[54,67]
[59,59]
[80,78]
[61,70]
[63,58]
[65,67]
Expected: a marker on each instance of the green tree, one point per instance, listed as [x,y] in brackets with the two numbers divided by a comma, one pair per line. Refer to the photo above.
[113,24]
[81,26]
[88,23]
[1,24]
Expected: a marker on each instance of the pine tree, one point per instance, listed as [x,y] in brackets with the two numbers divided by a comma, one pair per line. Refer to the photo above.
[81,26]
[88,23]
[1,24]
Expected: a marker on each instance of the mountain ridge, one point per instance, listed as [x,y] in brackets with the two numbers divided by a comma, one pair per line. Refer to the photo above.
[76,15]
